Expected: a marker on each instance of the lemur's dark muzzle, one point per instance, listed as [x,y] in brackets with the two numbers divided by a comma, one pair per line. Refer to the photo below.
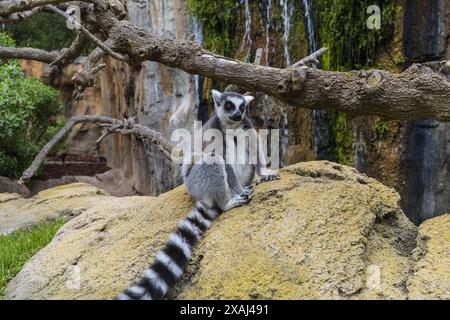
[236,116]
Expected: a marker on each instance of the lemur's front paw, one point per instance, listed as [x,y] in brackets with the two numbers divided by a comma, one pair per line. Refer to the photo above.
[269,177]
[237,201]
[247,191]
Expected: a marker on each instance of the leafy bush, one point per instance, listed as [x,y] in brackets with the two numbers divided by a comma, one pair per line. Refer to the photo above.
[44,30]
[28,116]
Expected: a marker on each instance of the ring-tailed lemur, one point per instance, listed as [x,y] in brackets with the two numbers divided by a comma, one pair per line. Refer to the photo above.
[216,186]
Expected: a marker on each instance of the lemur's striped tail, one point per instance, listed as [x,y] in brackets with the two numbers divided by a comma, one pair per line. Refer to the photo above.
[171,260]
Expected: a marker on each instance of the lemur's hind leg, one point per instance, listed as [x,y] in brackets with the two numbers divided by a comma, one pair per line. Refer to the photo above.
[208,182]
[235,185]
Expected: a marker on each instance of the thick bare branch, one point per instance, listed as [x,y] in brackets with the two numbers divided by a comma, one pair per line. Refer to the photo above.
[117,126]
[419,92]
[94,39]
[312,58]
[68,55]
[13,6]
[86,77]
[20,16]
[7,53]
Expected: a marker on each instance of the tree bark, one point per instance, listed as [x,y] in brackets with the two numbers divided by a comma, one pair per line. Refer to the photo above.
[418,92]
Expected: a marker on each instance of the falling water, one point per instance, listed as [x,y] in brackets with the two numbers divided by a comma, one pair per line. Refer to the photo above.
[321,118]
[286,13]
[309,25]
[284,137]
[269,4]
[198,33]
[248,25]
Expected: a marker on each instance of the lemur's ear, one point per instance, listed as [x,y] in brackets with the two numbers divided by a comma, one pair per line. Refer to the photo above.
[248,99]
[217,96]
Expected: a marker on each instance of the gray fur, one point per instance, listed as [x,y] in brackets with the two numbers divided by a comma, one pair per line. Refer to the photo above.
[212,182]
[216,187]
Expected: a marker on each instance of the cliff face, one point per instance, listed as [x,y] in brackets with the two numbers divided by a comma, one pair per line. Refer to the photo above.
[412,157]
[425,168]
[152,95]
[323,231]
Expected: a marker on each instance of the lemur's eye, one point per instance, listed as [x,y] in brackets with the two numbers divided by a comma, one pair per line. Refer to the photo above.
[242,108]
[229,106]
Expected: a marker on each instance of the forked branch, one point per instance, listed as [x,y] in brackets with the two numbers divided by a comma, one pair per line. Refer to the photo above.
[125,127]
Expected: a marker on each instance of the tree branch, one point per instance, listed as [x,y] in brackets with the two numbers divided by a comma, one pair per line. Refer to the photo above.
[125,127]
[28,54]
[419,92]
[68,55]
[20,16]
[312,58]
[93,38]
[86,78]
[10,7]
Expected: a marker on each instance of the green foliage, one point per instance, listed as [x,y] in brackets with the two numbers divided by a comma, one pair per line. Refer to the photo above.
[343,138]
[28,116]
[298,39]
[342,28]
[44,30]
[18,247]
[219,19]
[6,40]
[381,128]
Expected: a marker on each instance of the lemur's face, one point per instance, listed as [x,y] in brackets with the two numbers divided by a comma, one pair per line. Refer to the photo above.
[231,106]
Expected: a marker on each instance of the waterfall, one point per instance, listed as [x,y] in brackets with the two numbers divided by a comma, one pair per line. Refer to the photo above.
[269,4]
[284,137]
[198,34]
[321,118]
[317,116]
[286,14]
[248,24]
[309,25]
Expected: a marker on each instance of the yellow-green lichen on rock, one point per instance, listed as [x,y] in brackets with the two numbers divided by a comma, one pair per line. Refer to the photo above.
[323,231]
[64,201]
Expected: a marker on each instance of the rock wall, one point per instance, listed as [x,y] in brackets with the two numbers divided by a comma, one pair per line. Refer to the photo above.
[152,95]
[81,140]
[425,163]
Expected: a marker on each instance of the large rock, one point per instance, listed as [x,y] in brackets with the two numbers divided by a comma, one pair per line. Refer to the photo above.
[431,261]
[322,231]
[10,186]
[64,201]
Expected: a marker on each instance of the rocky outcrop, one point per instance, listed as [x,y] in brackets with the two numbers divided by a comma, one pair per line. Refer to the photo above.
[431,261]
[322,231]
[65,201]
[11,186]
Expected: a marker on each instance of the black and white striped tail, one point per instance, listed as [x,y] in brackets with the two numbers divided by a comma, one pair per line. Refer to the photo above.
[171,260]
